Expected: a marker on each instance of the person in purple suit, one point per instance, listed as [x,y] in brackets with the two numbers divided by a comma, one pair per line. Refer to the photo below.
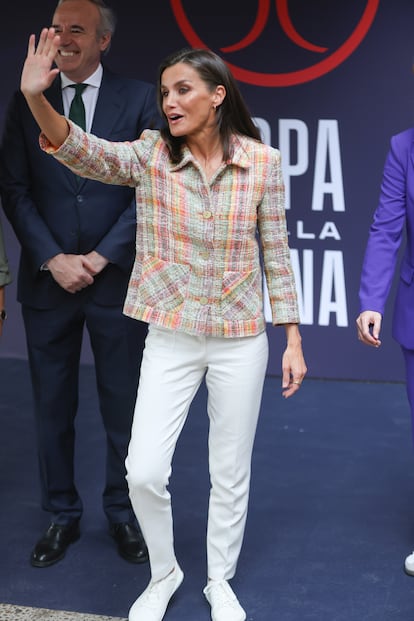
[393,217]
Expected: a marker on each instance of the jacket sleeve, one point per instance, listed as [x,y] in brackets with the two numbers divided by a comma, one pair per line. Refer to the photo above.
[17,199]
[116,244]
[385,233]
[275,249]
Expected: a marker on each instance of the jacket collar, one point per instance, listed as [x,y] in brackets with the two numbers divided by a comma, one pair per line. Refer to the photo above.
[239,158]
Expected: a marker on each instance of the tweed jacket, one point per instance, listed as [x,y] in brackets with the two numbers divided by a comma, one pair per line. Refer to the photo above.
[198,265]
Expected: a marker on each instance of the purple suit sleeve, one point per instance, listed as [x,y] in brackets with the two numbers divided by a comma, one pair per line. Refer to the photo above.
[385,233]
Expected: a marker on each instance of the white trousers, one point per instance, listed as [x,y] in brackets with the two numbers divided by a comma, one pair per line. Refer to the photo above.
[172,370]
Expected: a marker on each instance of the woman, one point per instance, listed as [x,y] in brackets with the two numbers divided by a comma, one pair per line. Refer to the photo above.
[206,186]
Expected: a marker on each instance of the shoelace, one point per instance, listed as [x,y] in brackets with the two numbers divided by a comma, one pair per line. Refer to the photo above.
[152,595]
[222,595]
[152,592]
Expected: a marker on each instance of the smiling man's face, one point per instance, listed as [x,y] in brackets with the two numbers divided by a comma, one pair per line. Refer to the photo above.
[78,24]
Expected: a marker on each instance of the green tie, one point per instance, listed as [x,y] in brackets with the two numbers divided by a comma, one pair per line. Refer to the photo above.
[77,108]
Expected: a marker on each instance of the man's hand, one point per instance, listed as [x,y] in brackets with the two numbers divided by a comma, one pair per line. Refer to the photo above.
[369,327]
[72,272]
[97,261]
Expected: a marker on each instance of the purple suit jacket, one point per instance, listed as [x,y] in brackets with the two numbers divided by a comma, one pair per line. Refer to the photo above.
[394,212]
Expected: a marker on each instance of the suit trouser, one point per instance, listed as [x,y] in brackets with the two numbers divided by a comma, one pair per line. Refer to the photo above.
[409,372]
[54,340]
[173,366]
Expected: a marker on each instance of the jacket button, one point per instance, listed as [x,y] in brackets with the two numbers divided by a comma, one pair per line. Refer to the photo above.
[203,301]
[207,214]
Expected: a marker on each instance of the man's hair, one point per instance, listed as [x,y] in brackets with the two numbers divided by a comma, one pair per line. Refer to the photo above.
[107,18]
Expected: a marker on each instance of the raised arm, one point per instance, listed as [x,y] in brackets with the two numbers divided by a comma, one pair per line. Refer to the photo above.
[37,76]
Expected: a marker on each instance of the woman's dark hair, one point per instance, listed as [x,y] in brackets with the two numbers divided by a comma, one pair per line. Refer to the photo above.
[233,115]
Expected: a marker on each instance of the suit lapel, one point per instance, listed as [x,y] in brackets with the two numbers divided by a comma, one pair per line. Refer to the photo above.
[54,95]
[108,106]
[107,111]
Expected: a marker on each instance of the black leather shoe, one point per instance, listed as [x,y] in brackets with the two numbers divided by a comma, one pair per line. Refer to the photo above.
[52,547]
[131,544]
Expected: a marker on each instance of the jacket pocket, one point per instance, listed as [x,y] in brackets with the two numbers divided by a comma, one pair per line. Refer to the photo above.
[163,285]
[241,297]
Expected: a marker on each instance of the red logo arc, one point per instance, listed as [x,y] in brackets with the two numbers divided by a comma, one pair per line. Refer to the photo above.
[293,77]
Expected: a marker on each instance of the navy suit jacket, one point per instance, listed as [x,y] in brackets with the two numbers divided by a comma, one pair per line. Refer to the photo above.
[50,213]
[393,216]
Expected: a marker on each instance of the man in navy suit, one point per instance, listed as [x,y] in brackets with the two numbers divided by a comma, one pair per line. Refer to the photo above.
[74,270]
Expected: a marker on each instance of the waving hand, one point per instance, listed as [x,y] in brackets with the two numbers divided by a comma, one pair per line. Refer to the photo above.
[37,76]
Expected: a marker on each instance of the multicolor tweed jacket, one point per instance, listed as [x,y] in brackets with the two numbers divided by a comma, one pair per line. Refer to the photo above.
[198,266]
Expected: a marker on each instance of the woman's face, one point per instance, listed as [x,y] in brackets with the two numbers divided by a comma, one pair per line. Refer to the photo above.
[186,101]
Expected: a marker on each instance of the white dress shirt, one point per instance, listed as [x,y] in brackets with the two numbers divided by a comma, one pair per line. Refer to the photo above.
[89,95]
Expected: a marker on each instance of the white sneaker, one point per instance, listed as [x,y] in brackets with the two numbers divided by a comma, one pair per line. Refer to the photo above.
[409,564]
[224,604]
[153,602]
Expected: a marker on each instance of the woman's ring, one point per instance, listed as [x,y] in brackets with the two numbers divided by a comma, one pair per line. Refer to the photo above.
[296,382]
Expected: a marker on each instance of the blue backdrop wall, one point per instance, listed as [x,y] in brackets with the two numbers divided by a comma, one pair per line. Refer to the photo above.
[328,83]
